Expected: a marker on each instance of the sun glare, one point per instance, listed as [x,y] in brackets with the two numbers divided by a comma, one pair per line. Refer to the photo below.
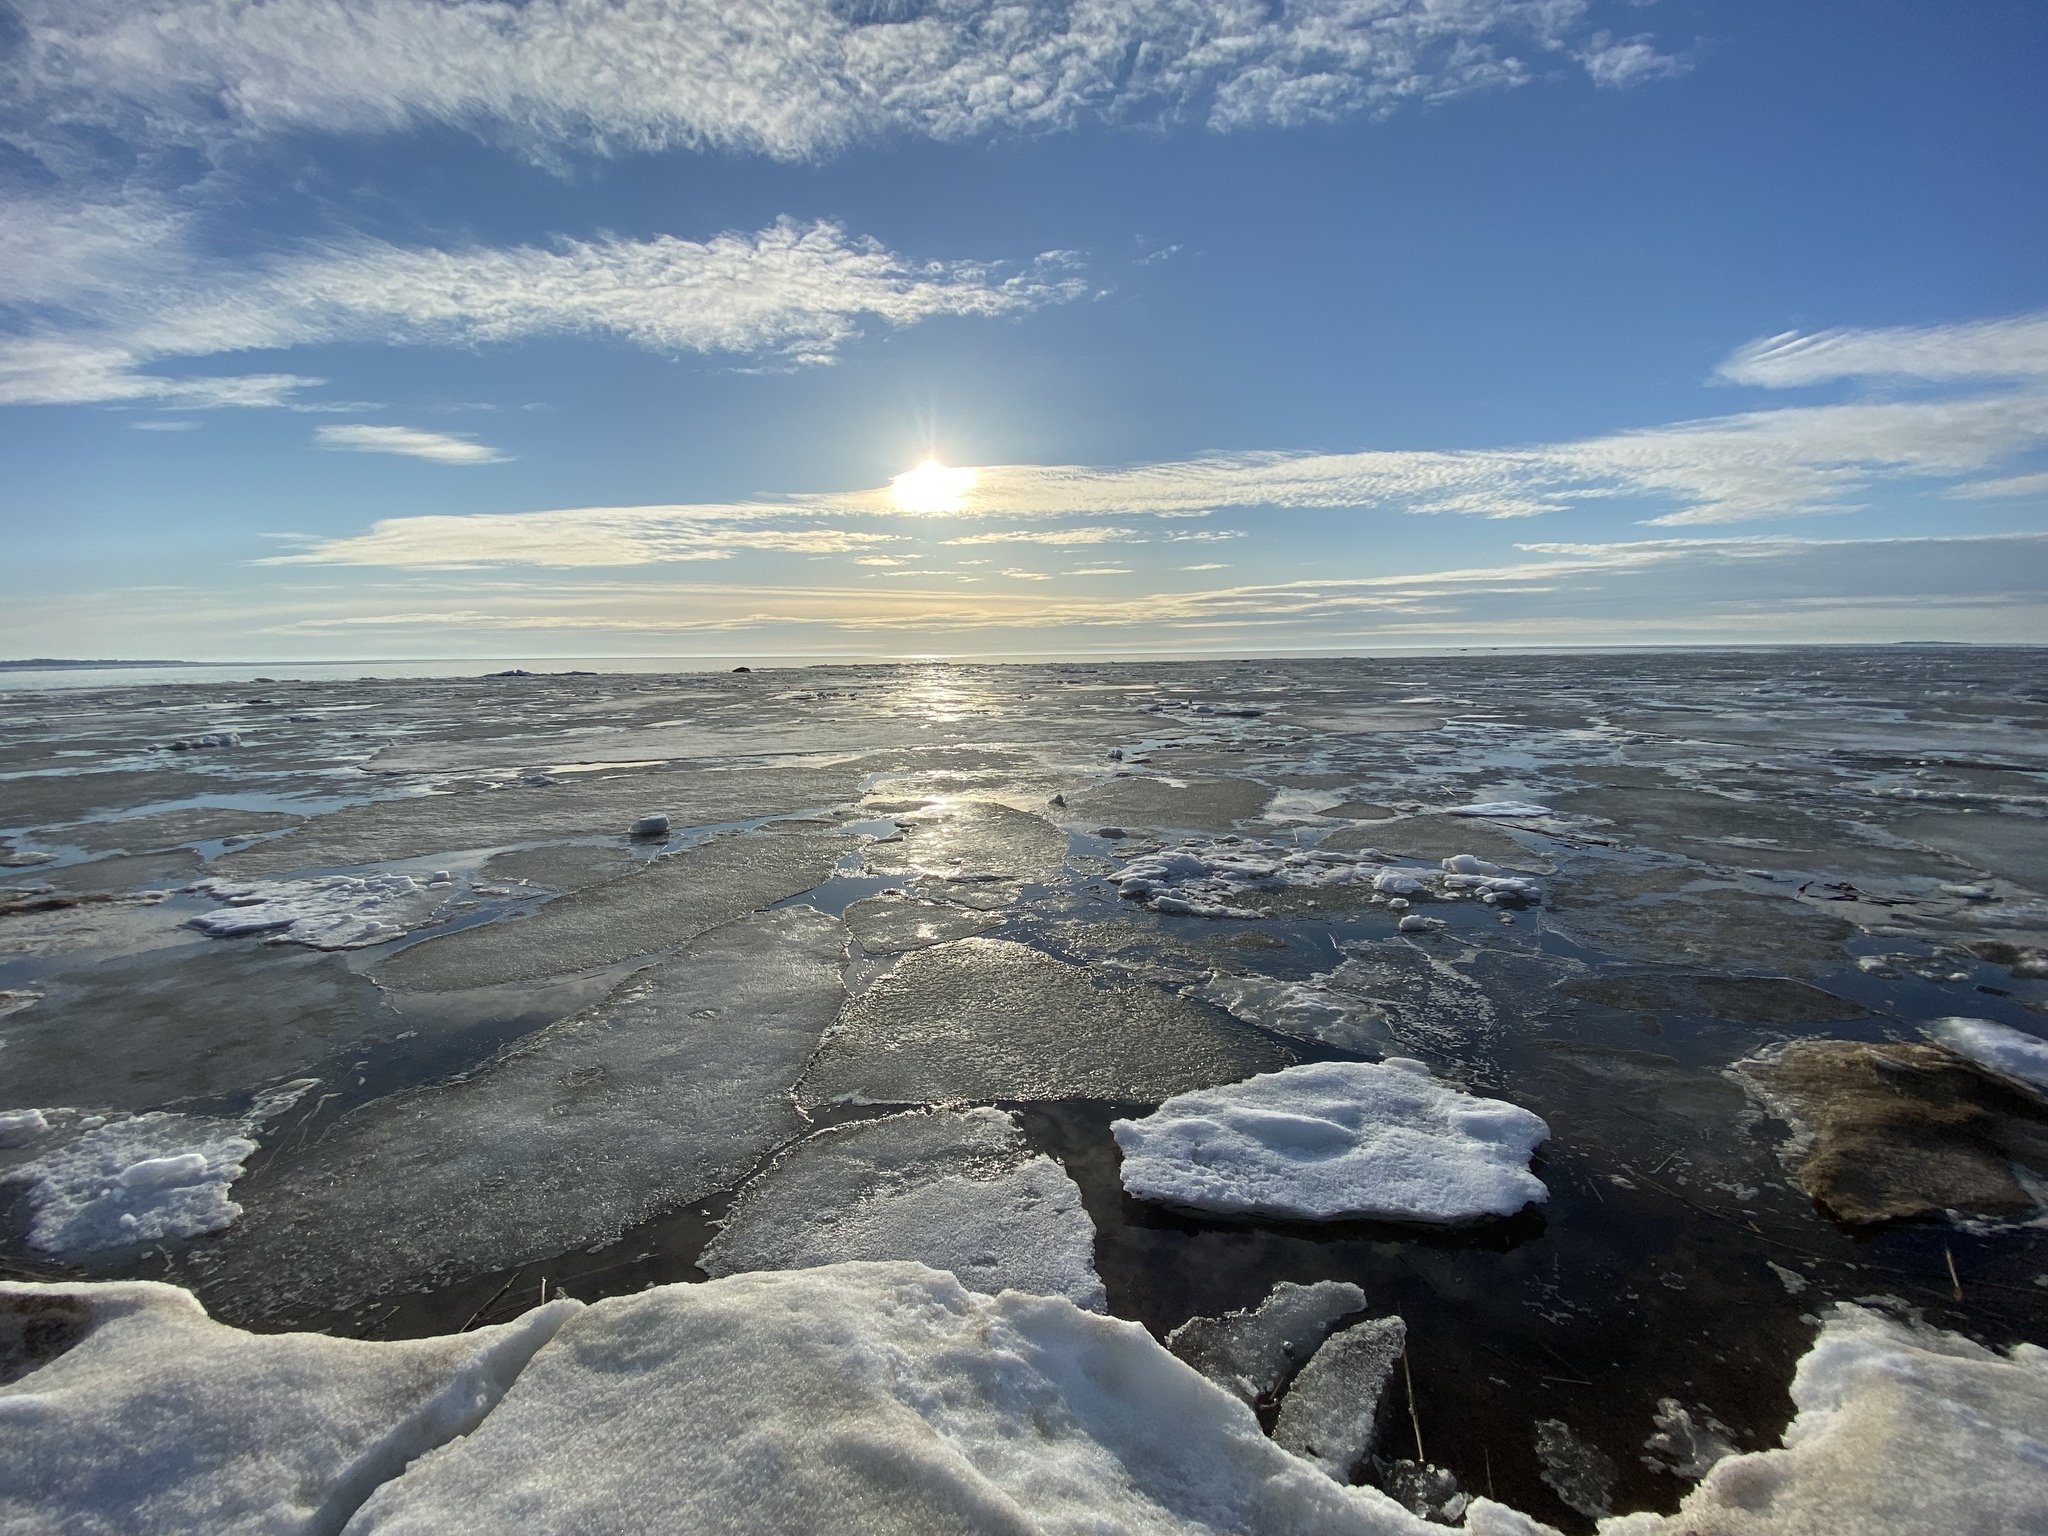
[932,487]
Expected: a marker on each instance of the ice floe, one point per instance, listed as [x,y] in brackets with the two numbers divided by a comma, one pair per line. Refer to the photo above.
[1252,1354]
[1332,1412]
[983,1019]
[329,912]
[673,1087]
[1997,1048]
[1333,1140]
[126,1411]
[954,1189]
[1900,1430]
[872,1398]
[1510,810]
[1215,877]
[119,1182]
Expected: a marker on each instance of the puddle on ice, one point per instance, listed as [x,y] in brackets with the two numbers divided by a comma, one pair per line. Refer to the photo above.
[605,1063]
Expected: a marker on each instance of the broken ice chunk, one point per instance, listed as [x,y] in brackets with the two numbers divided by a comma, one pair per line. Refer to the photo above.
[1469,864]
[1334,1140]
[954,1189]
[1331,1415]
[1685,1446]
[1581,1475]
[18,1127]
[1999,1049]
[136,1414]
[1251,1354]
[140,1180]
[331,912]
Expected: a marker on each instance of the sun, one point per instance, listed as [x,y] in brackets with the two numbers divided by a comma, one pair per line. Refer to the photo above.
[932,487]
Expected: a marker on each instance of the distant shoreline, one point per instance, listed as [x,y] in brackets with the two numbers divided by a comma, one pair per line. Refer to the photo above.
[59,664]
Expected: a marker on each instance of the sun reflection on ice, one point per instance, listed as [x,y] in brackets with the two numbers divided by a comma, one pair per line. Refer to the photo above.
[932,487]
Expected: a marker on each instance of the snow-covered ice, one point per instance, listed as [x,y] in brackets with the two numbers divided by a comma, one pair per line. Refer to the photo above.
[1223,877]
[155,1176]
[872,1398]
[1900,1431]
[1333,1140]
[157,1421]
[673,1087]
[1251,1354]
[1332,1412]
[954,1189]
[1998,1048]
[328,912]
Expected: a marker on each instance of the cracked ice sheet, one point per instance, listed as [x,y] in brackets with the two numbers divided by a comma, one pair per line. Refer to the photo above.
[671,1088]
[1334,1140]
[954,1189]
[878,1398]
[1900,1430]
[157,1421]
[331,912]
[985,1019]
[672,900]
[138,1180]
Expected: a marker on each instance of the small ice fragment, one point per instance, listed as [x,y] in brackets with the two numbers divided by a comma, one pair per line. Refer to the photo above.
[1581,1475]
[1415,922]
[1469,864]
[1251,1354]
[1967,892]
[1686,1446]
[1336,1139]
[651,826]
[156,1173]
[1793,1281]
[18,1126]
[1997,1048]
[1399,882]
[1510,809]
[440,877]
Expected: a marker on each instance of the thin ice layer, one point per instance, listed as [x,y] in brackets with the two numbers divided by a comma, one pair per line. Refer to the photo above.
[954,1189]
[674,1086]
[331,912]
[142,1416]
[972,837]
[1997,1048]
[1331,1415]
[891,924]
[878,1398]
[983,1019]
[1334,1140]
[670,902]
[1900,1431]
[1251,1354]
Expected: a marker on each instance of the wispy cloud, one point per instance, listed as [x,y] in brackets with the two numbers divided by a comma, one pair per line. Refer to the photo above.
[2015,347]
[441,447]
[792,78]
[793,293]
[1620,63]
[1098,534]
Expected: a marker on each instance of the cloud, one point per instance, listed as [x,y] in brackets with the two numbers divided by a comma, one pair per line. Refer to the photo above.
[1099,534]
[2010,485]
[2015,347]
[441,447]
[789,78]
[792,293]
[1210,565]
[1619,63]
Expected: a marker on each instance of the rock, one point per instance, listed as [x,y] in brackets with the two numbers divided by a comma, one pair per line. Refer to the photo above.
[650,826]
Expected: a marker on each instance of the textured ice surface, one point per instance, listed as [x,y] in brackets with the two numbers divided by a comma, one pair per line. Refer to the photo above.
[1900,1431]
[954,1189]
[1336,1139]
[330,912]
[1309,1010]
[671,1088]
[157,1421]
[1251,1354]
[171,829]
[982,1019]
[971,837]
[1581,1475]
[1997,1048]
[673,900]
[1333,1409]
[1222,878]
[1440,837]
[879,1398]
[1200,805]
[156,1176]
[890,925]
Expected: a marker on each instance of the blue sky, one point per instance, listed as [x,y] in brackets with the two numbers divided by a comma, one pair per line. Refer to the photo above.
[582,327]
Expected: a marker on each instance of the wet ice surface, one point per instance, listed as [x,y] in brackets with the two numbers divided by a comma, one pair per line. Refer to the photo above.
[1729,854]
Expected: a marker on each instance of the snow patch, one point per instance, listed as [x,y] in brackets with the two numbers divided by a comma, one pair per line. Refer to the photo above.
[1333,1140]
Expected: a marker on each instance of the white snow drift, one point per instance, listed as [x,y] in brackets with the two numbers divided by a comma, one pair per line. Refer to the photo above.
[1333,1140]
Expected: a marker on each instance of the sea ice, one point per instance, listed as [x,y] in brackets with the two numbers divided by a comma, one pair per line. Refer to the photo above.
[880,1398]
[984,1019]
[1221,877]
[891,924]
[133,1181]
[672,900]
[1251,1354]
[1334,1140]
[1997,1048]
[954,1189]
[1331,1414]
[1900,1430]
[671,1088]
[1308,1010]
[128,1412]
[331,912]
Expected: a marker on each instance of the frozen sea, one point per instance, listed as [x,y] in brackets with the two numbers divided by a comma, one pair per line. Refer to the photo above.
[354,1004]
